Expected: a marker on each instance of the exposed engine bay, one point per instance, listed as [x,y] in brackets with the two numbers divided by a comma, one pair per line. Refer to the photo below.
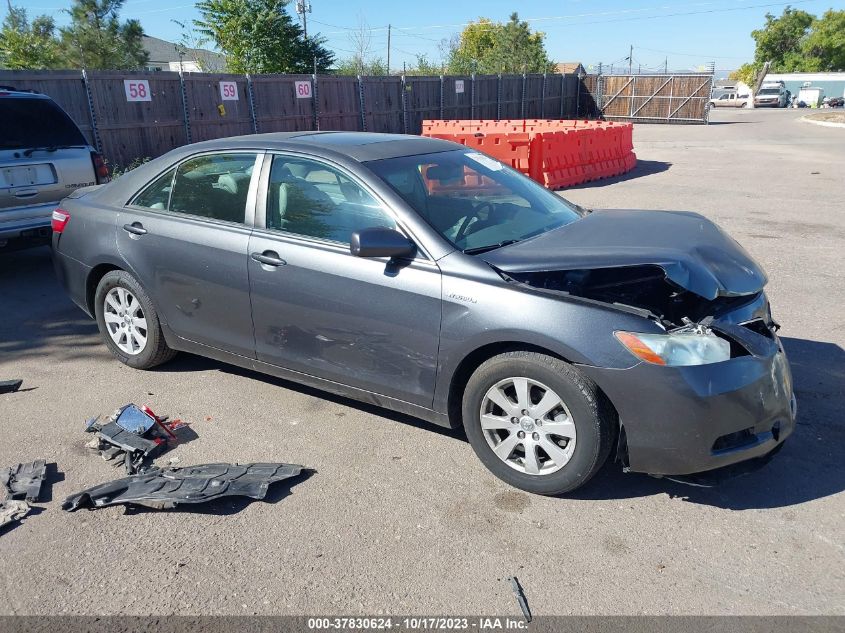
[643,288]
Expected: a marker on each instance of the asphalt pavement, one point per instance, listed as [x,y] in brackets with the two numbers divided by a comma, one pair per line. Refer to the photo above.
[399,516]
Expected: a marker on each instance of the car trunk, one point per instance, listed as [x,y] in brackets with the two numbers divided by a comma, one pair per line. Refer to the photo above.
[43,177]
[43,155]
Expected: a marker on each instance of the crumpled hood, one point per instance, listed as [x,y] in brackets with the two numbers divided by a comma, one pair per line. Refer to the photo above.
[695,253]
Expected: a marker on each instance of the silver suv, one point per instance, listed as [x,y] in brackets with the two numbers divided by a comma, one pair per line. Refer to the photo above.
[43,158]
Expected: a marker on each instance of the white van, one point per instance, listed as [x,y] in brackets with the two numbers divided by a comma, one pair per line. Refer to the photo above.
[771,95]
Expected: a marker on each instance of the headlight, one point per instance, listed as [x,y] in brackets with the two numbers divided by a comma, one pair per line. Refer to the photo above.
[680,348]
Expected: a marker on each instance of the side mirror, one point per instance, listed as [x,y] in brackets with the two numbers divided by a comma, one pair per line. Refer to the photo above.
[380,242]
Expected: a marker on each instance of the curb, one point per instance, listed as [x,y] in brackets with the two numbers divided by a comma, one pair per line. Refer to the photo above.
[810,119]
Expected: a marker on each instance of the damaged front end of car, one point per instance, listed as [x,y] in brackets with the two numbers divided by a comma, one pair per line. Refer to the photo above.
[644,290]
[708,384]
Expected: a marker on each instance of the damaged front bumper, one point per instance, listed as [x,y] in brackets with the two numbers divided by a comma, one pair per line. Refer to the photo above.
[683,420]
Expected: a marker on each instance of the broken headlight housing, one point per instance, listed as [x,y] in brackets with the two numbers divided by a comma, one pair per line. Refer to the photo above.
[681,348]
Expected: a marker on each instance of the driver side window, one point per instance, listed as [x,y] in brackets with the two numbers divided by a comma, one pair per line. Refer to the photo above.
[309,198]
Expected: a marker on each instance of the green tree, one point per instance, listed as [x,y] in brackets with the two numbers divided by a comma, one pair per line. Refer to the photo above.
[423,67]
[780,40]
[355,65]
[260,36]
[797,42]
[25,45]
[824,46]
[747,74]
[492,47]
[97,39]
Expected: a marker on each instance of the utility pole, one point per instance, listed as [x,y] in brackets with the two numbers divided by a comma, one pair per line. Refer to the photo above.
[303,8]
[666,66]
[630,58]
[388,49]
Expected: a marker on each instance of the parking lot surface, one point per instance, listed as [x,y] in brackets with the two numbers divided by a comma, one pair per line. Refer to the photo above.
[399,517]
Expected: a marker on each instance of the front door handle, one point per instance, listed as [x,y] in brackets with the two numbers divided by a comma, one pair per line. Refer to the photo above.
[136,228]
[268,258]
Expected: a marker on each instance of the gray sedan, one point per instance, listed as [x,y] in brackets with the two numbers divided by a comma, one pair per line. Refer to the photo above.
[427,278]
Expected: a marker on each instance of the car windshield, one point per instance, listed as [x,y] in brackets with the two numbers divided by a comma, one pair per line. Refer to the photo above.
[36,122]
[474,201]
[769,91]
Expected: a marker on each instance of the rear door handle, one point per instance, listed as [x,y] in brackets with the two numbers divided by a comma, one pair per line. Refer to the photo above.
[268,258]
[136,228]
[26,193]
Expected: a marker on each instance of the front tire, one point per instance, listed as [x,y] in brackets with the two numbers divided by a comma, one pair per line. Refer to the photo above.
[537,423]
[129,323]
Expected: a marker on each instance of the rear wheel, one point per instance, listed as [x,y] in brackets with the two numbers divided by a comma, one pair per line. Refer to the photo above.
[128,322]
[536,422]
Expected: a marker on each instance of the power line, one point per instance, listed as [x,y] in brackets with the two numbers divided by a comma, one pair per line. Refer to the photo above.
[702,55]
[593,14]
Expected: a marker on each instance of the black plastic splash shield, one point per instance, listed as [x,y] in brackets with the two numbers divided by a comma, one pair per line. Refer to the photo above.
[169,487]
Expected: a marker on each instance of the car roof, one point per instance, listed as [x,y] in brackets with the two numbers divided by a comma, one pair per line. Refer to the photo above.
[8,91]
[360,146]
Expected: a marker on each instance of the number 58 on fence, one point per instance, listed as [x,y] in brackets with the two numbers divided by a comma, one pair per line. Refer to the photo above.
[137,90]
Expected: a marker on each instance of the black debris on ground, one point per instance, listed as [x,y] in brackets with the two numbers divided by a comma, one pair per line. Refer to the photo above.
[163,489]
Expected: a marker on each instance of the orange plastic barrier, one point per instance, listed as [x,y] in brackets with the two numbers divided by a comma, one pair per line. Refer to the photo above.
[555,153]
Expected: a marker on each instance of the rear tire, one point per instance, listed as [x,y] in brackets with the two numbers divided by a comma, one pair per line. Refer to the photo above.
[129,323]
[545,452]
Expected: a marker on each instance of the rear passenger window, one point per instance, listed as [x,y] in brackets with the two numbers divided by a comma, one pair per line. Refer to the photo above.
[312,199]
[157,194]
[213,186]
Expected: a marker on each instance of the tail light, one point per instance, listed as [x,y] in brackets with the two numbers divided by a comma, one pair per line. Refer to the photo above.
[100,168]
[60,220]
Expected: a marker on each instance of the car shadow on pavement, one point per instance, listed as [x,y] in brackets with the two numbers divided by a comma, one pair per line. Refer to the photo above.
[190,363]
[37,317]
[643,168]
[809,467]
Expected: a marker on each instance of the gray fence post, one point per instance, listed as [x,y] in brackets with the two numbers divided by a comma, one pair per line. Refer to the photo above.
[578,96]
[600,95]
[361,103]
[404,106]
[543,99]
[314,102]
[472,96]
[251,97]
[563,96]
[95,132]
[522,105]
[185,107]
[441,97]
[499,97]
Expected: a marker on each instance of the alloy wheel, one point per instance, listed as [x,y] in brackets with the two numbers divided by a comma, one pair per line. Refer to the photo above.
[125,321]
[528,426]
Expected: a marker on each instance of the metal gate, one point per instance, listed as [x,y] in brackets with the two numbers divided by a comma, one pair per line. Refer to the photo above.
[681,98]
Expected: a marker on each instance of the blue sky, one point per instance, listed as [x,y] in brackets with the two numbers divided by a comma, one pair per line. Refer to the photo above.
[690,33]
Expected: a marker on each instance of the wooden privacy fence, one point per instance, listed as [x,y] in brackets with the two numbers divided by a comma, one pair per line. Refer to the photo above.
[132,115]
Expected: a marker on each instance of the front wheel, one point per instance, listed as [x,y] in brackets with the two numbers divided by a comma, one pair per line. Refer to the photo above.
[128,322]
[537,423]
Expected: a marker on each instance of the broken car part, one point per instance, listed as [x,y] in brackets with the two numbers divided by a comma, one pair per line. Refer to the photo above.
[131,435]
[166,488]
[9,386]
[520,597]
[11,510]
[24,480]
